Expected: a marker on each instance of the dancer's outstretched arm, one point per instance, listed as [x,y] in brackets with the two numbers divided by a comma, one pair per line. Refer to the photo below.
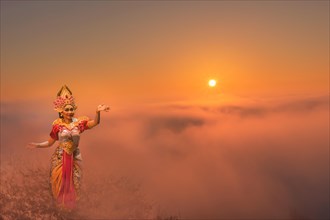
[44,144]
[96,121]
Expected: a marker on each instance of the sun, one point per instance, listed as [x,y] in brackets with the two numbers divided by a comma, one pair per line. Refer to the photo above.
[212,82]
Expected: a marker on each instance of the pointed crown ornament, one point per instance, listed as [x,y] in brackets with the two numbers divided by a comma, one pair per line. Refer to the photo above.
[64,97]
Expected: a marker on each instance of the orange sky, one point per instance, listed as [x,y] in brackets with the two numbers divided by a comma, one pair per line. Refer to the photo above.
[163,51]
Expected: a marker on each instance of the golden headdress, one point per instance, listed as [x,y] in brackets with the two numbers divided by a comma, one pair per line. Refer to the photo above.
[64,97]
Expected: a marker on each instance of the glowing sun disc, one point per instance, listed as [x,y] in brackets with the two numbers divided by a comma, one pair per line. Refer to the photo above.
[212,83]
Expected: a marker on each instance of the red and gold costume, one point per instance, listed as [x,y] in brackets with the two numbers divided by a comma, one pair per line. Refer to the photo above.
[65,175]
[66,170]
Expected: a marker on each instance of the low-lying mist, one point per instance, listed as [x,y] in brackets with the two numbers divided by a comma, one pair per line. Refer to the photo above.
[221,161]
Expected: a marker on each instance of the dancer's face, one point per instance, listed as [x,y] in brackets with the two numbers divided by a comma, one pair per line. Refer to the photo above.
[68,112]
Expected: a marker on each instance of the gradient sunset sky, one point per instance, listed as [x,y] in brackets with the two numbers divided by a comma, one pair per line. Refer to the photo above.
[254,147]
[163,51]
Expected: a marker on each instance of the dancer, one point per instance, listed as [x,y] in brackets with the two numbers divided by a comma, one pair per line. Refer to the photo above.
[65,173]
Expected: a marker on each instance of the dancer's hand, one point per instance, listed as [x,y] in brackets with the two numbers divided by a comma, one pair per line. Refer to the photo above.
[103,108]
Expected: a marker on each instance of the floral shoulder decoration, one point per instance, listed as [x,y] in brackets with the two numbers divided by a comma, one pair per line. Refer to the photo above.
[76,122]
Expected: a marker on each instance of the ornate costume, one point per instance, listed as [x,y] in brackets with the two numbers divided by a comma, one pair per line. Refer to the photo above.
[66,172]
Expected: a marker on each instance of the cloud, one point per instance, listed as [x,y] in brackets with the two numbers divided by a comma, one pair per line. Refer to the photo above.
[175,124]
[243,111]
[261,108]
[196,161]
[304,105]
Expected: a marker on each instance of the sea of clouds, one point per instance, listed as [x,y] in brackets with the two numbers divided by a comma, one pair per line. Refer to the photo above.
[265,159]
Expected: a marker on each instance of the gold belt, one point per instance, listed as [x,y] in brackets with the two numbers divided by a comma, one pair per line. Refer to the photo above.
[68,146]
